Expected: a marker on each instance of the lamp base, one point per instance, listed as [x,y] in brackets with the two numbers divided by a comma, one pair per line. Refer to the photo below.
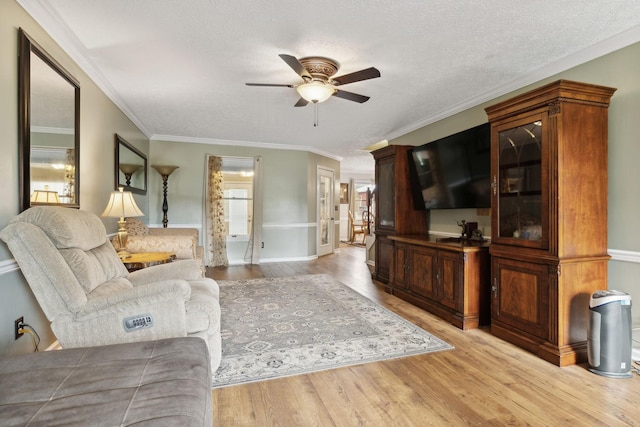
[121,239]
[122,254]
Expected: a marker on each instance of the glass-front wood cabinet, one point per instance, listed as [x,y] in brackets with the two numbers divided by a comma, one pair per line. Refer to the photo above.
[549,216]
[521,198]
[395,211]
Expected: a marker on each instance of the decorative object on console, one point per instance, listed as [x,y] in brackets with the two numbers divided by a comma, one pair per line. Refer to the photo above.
[121,204]
[464,229]
[165,171]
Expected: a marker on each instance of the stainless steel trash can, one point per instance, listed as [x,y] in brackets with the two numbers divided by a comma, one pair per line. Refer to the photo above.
[609,334]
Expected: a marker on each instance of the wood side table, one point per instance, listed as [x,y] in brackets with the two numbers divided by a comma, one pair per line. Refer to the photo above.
[147,259]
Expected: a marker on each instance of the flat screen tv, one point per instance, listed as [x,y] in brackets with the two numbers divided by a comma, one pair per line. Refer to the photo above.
[453,172]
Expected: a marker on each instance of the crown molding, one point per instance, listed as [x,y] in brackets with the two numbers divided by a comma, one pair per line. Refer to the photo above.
[605,47]
[51,22]
[57,29]
[213,141]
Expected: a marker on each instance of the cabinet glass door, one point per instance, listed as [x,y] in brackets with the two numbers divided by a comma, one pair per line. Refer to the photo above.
[385,178]
[518,182]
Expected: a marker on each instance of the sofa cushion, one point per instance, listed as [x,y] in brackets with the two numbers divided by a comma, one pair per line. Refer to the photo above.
[135,227]
[95,266]
[155,383]
[184,247]
[67,228]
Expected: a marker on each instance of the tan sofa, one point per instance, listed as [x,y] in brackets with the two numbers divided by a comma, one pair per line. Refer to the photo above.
[184,242]
[89,296]
[152,383]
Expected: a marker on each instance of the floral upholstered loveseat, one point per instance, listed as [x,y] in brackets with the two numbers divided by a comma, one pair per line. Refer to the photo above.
[184,242]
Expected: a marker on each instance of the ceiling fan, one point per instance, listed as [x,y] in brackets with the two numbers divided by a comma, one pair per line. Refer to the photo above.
[318,84]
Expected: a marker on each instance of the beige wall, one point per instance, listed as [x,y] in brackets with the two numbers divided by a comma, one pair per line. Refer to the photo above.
[100,119]
[289,192]
[619,70]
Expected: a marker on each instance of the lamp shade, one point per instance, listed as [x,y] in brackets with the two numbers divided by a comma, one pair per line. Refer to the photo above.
[121,204]
[315,91]
[165,170]
[129,169]
[45,196]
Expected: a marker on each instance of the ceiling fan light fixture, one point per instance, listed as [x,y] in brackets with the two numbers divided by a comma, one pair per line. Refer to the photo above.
[315,91]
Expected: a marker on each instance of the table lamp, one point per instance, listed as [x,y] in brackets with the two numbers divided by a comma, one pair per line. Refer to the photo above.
[121,205]
[45,196]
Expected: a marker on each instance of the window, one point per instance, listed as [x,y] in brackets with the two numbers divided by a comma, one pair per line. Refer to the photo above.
[238,208]
[237,173]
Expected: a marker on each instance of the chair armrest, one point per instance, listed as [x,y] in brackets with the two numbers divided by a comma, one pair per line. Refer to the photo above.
[187,269]
[135,297]
[181,245]
[101,320]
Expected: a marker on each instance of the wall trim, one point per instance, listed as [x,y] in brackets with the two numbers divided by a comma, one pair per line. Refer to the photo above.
[8,266]
[624,256]
[291,225]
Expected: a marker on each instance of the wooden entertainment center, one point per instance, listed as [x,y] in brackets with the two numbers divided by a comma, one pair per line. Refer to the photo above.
[548,250]
[448,278]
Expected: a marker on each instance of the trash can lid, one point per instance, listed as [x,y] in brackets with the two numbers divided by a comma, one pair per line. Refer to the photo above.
[606,296]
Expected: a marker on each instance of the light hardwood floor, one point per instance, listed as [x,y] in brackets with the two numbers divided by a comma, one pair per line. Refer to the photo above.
[483,381]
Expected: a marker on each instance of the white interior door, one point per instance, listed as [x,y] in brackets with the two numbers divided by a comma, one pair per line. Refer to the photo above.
[326,218]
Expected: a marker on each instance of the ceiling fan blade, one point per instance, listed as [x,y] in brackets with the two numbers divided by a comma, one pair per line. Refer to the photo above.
[366,74]
[301,102]
[350,96]
[268,84]
[293,62]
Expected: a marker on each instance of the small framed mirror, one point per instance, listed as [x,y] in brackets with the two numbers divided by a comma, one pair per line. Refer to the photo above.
[131,167]
[48,129]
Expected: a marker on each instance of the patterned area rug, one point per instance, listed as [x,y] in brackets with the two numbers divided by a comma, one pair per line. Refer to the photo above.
[283,326]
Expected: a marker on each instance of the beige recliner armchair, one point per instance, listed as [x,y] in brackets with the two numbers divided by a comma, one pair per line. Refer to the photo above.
[89,297]
[184,242]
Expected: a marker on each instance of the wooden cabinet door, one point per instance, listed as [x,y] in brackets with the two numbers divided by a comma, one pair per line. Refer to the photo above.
[384,258]
[423,263]
[520,295]
[386,194]
[520,177]
[402,268]
[449,278]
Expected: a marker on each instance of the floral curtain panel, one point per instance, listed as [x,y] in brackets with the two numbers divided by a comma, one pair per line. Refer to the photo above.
[216,233]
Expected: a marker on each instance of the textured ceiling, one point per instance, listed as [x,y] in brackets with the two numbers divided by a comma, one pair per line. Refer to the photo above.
[178,68]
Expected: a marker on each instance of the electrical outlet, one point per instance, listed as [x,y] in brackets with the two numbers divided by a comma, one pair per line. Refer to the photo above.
[19,323]
[262,245]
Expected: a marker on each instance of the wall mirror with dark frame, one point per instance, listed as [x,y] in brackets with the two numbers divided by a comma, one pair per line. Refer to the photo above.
[131,167]
[48,129]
